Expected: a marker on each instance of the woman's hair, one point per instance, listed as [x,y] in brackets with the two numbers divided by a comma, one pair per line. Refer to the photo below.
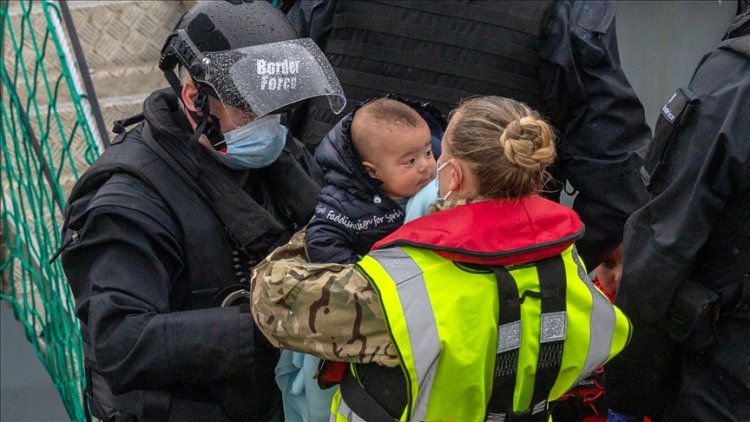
[506,144]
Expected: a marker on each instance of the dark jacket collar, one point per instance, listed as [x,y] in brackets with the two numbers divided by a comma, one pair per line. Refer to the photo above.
[252,226]
[740,27]
[162,110]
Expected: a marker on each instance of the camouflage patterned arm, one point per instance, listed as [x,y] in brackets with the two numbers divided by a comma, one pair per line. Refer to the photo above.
[329,310]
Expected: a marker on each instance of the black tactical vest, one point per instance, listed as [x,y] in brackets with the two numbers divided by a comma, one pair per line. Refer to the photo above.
[213,265]
[208,268]
[436,51]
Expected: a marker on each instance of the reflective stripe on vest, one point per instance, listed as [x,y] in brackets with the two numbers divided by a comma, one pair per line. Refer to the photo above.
[446,333]
[603,320]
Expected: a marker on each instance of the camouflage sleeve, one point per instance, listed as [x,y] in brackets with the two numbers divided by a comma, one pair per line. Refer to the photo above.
[329,310]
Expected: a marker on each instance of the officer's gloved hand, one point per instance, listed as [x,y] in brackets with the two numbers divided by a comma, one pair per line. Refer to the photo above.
[613,416]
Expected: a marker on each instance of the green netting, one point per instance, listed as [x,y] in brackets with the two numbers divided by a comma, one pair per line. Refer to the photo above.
[48,140]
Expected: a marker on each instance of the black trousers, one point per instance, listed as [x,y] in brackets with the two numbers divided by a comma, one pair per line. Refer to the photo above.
[708,393]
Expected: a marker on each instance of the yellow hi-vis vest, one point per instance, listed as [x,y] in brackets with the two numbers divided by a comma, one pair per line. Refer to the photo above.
[444,320]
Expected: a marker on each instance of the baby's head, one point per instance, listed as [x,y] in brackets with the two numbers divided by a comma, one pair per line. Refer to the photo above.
[394,143]
[609,272]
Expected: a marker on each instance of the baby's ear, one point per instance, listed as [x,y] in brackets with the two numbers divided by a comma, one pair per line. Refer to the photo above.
[370,169]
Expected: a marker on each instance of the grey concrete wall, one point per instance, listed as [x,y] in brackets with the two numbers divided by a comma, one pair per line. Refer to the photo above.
[661,42]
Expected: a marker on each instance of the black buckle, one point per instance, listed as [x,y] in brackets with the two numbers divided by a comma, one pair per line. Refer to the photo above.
[235,294]
[119,126]
[181,49]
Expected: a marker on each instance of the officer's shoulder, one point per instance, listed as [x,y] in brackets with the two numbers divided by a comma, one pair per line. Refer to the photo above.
[127,191]
[740,45]
[592,15]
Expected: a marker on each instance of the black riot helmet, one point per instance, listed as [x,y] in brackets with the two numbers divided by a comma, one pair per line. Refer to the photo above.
[229,25]
[247,55]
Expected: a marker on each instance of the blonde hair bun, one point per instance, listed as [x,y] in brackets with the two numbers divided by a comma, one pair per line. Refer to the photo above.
[528,142]
[506,144]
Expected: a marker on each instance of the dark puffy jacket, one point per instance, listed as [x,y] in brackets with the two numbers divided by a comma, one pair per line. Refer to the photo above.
[352,212]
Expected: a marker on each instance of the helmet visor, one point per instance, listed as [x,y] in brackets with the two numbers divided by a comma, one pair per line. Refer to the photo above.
[265,78]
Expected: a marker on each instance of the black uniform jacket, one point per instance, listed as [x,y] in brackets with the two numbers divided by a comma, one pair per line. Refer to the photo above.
[559,57]
[154,231]
[694,231]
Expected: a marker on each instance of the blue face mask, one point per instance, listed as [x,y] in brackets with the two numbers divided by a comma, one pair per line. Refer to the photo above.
[256,145]
[419,204]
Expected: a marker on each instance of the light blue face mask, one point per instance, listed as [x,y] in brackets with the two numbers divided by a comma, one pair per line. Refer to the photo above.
[255,145]
[419,204]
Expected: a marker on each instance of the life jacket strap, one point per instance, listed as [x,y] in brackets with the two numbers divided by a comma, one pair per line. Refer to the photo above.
[508,343]
[552,284]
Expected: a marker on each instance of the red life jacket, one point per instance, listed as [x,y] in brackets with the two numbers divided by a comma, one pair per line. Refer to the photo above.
[495,232]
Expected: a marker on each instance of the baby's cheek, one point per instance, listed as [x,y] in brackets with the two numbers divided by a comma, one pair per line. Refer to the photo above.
[608,282]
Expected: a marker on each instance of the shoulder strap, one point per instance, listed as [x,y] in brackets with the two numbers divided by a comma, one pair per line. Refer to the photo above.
[552,284]
[120,126]
[115,159]
[88,185]
[508,345]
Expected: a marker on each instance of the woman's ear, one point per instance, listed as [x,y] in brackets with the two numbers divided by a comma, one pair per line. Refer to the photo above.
[456,176]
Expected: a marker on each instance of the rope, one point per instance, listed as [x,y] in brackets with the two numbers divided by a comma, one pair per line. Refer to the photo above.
[103,140]
[48,139]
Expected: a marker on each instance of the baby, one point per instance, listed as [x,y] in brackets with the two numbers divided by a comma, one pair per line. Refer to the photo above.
[609,273]
[374,160]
